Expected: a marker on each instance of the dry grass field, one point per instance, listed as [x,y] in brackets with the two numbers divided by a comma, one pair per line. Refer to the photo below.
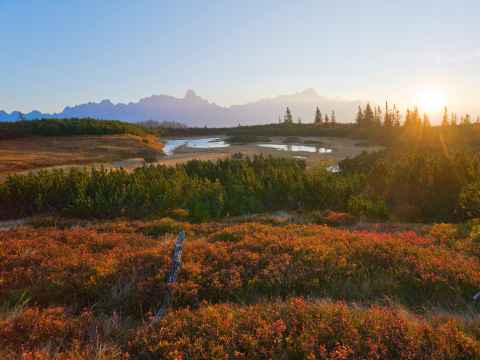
[25,154]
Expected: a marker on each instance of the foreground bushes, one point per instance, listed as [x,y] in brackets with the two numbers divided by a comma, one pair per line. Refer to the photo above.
[117,267]
[293,329]
[298,329]
[88,292]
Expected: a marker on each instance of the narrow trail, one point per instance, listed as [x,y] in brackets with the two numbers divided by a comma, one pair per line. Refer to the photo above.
[12,224]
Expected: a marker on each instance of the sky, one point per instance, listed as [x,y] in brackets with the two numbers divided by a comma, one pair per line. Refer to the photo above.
[58,53]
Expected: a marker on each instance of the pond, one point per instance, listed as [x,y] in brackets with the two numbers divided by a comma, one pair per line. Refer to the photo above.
[298,148]
[203,143]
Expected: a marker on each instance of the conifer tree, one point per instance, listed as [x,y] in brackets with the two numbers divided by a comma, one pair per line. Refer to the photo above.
[377,116]
[454,119]
[387,117]
[288,118]
[368,116]
[445,121]
[396,116]
[333,118]
[466,120]
[318,117]
[408,119]
[327,120]
[416,120]
[359,119]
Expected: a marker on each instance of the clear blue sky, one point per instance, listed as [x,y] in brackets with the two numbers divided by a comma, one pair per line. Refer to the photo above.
[57,53]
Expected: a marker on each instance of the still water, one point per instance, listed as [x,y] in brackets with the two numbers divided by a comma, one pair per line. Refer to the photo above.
[298,148]
[204,143]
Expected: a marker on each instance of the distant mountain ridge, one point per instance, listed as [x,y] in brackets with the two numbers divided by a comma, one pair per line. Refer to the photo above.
[195,111]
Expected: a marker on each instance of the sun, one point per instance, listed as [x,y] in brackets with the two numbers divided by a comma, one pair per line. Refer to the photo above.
[431,100]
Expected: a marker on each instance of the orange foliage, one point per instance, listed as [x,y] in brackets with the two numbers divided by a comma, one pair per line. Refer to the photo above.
[301,330]
[76,277]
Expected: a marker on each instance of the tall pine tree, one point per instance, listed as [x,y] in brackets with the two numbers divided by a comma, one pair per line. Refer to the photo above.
[368,116]
[445,121]
[318,117]
[288,118]
[359,119]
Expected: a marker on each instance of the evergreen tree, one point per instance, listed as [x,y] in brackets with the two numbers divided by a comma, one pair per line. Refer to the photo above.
[333,119]
[467,120]
[377,116]
[387,117]
[445,121]
[360,119]
[416,120]
[396,117]
[318,117]
[288,118]
[454,119]
[408,119]
[327,120]
[368,116]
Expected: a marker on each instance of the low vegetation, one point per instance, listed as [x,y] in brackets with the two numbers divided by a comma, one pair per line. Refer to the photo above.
[245,290]
[246,139]
[67,127]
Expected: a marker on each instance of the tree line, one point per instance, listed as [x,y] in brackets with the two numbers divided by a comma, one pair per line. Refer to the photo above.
[319,118]
[68,127]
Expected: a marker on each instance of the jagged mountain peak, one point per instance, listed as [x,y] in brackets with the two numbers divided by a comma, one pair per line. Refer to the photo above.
[194,110]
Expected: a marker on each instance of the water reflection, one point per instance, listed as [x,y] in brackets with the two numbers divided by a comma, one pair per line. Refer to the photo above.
[298,148]
[204,143]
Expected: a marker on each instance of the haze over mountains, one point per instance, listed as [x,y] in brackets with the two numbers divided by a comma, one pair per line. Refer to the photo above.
[194,111]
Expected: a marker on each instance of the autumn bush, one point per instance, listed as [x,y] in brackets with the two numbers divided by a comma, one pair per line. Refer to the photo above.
[125,265]
[87,290]
[299,329]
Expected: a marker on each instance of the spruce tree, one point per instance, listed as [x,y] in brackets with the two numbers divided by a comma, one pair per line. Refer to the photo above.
[288,118]
[359,119]
[396,116]
[378,116]
[333,119]
[327,120]
[445,121]
[454,119]
[368,116]
[387,117]
[318,117]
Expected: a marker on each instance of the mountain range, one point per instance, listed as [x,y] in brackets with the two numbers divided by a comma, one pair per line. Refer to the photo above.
[195,111]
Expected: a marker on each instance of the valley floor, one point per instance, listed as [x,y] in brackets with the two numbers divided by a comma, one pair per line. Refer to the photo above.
[33,153]
[128,151]
[341,149]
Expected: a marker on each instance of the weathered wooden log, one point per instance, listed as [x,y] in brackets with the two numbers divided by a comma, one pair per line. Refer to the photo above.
[172,275]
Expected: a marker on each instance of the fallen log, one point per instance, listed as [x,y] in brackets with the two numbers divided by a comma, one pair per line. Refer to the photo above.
[172,275]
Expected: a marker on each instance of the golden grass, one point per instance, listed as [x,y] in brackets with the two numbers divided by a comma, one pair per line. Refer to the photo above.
[30,153]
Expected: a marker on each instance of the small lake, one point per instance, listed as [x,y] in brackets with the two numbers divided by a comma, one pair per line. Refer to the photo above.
[204,143]
[298,148]
[216,143]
